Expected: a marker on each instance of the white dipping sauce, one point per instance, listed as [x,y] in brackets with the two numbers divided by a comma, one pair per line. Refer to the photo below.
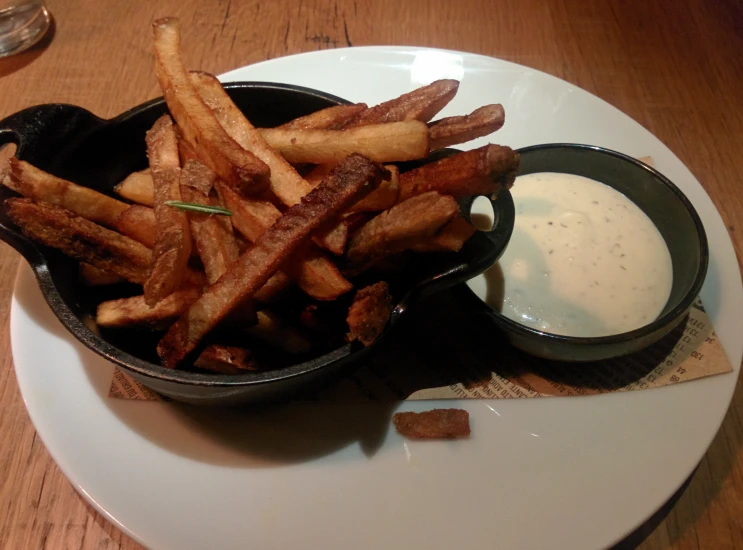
[583,260]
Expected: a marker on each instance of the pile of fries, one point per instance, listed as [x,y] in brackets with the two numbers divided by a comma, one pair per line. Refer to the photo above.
[265,232]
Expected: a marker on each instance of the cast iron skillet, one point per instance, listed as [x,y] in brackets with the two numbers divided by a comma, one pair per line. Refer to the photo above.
[74,144]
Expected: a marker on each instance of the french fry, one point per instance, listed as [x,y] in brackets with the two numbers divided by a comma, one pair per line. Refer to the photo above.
[353,178]
[134,311]
[138,222]
[451,238]
[236,166]
[331,118]
[401,227]
[274,330]
[286,184]
[315,176]
[483,171]
[92,276]
[88,203]
[383,197]
[434,424]
[226,360]
[81,239]
[212,235]
[369,312]
[137,187]
[278,282]
[173,242]
[460,129]
[421,104]
[333,236]
[312,271]
[391,142]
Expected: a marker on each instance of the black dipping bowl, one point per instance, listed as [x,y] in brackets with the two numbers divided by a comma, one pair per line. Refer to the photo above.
[663,203]
[72,143]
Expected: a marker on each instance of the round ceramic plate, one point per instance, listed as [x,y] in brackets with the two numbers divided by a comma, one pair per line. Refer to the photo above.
[540,473]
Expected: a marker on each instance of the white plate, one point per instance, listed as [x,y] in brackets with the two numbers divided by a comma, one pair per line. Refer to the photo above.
[549,473]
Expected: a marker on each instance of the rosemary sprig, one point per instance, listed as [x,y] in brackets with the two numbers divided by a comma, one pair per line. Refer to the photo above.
[193,207]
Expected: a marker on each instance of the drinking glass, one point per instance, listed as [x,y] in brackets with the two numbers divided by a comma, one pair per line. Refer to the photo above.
[22,24]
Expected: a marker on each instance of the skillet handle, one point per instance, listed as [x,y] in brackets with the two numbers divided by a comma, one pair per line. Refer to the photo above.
[477,255]
[39,133]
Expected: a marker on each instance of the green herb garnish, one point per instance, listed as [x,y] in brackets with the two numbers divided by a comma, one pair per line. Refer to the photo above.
[193,207]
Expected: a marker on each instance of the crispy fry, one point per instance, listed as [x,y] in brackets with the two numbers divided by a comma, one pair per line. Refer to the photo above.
[88,203]
[421,104]
[435,424]
[236,166]
[274,330]
[353,178]
[460,129]
[383,197]
[278,282]
[401,227]
[226,360]
[369,312]
[391,142]
[250,216]
[315,274]
[332,118]
[137,187]
[315,176]
[451,238]
[81,239]
[483,171]
[332,236]
[134,311]
[92,276]
[213,235]
[312,271]
[173,242]
[138,222]
[288,186]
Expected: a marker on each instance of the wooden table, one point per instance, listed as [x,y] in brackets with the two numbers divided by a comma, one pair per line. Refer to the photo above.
[673,65]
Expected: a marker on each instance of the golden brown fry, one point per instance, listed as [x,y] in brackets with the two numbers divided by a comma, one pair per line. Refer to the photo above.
[332,118]
[81,239]
[286,184]
[316,274]
[312,271]
[369,312]
[353,178]
[134,311]
[212,234]
[395,141]
[275,331]
[236,166]
[383,197]
[92,276]
[483,171]
[332,236]
[138,222]
[226,360]
[315,176]
[451,238]
[460,129]
[421,104]
[278,282]
[401,227]
[250,216]
[137,187]
[88,203]
[435,424]
[173,242]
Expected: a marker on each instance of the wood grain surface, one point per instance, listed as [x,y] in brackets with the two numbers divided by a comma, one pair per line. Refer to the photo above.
[673,65]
